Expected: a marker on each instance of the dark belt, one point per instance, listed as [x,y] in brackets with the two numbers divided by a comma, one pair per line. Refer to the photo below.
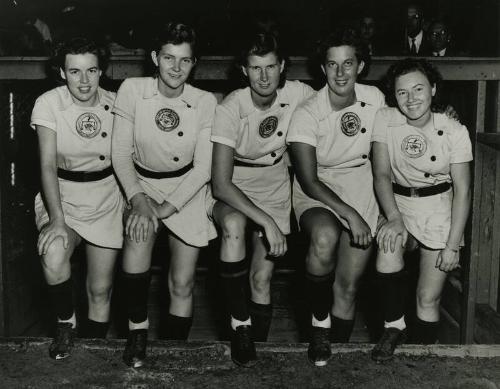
[246,164]
[159,175]
[77,176]
[420,192]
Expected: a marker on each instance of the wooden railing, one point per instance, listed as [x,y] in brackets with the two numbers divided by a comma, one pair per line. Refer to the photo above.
[479,283]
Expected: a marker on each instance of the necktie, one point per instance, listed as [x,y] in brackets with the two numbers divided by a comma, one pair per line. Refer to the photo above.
[413,48]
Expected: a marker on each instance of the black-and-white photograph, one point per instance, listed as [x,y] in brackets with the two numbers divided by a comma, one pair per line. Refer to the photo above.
[250,194]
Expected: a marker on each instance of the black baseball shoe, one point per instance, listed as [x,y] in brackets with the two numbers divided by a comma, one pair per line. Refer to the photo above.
[384,349]
[319,351]
[242,347]
[134,354]
[62,344]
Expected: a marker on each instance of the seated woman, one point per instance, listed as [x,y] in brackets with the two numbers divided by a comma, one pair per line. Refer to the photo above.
[333,196]
[251,184]
[422,180]
[80,199]
[162,156]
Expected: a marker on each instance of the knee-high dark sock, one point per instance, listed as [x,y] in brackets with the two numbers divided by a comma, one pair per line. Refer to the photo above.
[136,287]
[425,332]
[341,330]
[61,297]
[392,288]
[234,279]
[96,329]
[177,327]
[320,295]
[261,315]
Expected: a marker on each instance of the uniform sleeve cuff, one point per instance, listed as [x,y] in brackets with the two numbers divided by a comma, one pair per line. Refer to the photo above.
[224,141]
[302,139]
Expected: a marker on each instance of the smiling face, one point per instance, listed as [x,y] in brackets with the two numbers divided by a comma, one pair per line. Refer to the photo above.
[174,63]
[263,74]
[439,37]
[82,73]
[341,68]
[414,95]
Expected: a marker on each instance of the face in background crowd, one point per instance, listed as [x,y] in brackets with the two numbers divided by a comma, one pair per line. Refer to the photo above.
[367,28]
[342,68]
[263,74]
[81,73]
[414,94]
[439,36]
[174,63]
[414,20]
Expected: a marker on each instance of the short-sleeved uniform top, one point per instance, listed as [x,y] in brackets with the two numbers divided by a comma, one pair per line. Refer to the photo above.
[93,209]
[342,141]
[169,134]
[421,157]
[258,137]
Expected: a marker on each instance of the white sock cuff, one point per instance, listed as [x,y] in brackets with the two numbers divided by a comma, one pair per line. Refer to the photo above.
[236,323]
[400,324]
[326,323]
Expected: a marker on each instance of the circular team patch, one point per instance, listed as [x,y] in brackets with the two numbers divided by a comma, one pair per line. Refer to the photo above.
[167,119]
[88,125]
[268,126]
[350,123]
[414,146]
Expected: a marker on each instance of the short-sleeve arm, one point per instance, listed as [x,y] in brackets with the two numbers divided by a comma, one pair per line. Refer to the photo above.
[226,124]
[122,146]
[43,115]
[125,101]
[202,161]
[461,147]
[380,127]
[303,128]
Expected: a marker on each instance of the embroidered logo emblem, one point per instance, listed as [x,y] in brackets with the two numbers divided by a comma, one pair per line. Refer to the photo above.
[167,119]
[268,126]
[88,125]
[350,123]
[414,146]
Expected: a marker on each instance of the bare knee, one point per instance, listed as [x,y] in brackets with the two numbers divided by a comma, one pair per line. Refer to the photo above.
[260,281]
[388,263]
[323,242]
[56,258]
[233,226]
[181,287]
[99,293]
[427,300]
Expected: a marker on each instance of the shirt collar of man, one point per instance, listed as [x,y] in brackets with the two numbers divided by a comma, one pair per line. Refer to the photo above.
[66,101]
[247,107]
[325,108]
[440,53]
[418,40]
[187,97]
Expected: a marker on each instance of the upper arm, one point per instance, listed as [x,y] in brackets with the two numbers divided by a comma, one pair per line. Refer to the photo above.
[304,162]
[47,144]
[381,160]
[460,175]
[222,164]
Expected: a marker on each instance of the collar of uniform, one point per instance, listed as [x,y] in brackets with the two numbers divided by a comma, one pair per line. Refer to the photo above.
[396,119]
[66,101]
[325,108]
[441,121]
[247,106]
[188,95]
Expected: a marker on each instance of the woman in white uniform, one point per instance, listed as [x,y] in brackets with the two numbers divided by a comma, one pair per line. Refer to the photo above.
[162,157]
[422,180]
[251,184]
[80,199]
[333,197]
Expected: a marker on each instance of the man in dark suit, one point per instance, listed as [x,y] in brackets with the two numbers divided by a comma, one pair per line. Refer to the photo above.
[414,43]
[440,39]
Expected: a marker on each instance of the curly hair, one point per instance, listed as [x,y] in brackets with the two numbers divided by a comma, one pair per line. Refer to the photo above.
[343,36]
[176,33]
[80,45]
[410,65]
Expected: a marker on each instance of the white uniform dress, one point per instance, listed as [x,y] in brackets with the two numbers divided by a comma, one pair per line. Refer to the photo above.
[93,209]
[258,138]
[421,157]
[342,141]
[169,134]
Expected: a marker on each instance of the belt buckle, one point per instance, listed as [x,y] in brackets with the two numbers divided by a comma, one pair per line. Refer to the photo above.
[414,192]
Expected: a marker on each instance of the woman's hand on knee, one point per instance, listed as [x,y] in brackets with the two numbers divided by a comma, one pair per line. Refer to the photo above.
[361,234]
[447,260]
[141,219]
[391,233]
[51,231]
[276,240]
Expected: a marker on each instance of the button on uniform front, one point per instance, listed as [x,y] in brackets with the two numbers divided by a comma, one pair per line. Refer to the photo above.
[176,159]
[273,154]
[433,158]
[363,130]
[364,156]
[106,107]
[440,132]
[104,134]
[279,133]
[180,133]
[102,157]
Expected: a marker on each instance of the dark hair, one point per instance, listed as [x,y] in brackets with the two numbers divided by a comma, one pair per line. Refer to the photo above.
[344,36]
[176,33]
[410,65]
[260,44]
[80,46]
